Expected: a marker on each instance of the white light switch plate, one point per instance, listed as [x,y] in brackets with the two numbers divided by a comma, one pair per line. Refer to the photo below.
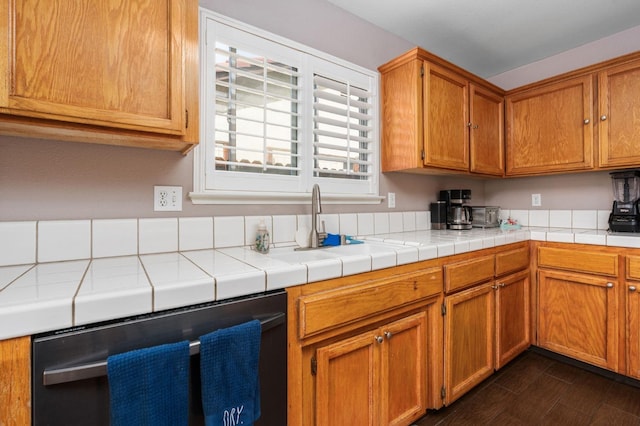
[167,198]
[536,200]
[391,200]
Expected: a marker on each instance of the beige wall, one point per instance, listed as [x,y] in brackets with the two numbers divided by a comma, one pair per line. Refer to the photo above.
[41,179]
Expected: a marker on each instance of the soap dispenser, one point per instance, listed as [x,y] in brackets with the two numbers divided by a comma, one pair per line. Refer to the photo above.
[262,238]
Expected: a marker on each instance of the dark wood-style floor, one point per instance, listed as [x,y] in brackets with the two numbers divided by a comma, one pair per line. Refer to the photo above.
[537,390]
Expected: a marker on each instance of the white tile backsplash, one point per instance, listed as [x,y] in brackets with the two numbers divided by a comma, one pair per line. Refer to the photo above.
[584,219]
[60,240]
[560,218]
[539,218]
[228,231]
[114,237]
[409,221]
[17,243]
[349,224]
[603,219]
[251,224]
[365,224]
[396,222]
[26,242]
[158,235]
[423,221]
[284,229]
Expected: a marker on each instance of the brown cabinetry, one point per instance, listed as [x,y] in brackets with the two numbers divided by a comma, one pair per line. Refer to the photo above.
[619,115]
[385,365]
[364,349]
[437,117]
[15,381]
[488,324]
[633,316]
[468,339]
[550,128]
[578,304]
[124,73]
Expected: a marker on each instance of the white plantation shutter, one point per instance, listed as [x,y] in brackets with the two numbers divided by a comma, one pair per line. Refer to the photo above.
[343,132]
[257,118]
[279,117]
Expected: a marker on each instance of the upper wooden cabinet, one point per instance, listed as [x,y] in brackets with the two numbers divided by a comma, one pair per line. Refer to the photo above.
[86,65]
[437,117]
[550,128]
[619,115]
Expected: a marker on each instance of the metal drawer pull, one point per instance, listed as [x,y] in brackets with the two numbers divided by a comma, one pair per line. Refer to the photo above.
[609,285]
[379,339]
[99,368]
[632,288]
[388,334]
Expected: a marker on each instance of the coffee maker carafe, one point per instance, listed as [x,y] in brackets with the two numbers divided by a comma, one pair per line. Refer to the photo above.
[625,215]
[458,212]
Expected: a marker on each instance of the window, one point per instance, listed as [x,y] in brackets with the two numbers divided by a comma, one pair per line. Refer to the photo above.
[278,117]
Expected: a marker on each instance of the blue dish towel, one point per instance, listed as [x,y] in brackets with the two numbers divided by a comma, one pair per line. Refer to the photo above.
[150,386]
[229,375]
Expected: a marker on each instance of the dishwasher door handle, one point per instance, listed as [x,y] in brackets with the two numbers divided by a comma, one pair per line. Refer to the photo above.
[91,370]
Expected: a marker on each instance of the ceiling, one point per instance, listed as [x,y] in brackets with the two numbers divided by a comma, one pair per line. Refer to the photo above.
[490,37]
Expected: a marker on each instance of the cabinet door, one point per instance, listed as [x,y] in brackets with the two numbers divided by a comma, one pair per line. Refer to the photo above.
[404,375]
[512,317]
[577,317]
[619,115]
[114,64]
[348,382]
[446,134]
[401,92]
[550,129]
[15,381]
[633,330]
[486,142]
[468,342]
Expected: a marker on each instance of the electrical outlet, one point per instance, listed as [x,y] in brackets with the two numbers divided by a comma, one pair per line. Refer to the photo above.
[391,200]
[167,198]
[536,200]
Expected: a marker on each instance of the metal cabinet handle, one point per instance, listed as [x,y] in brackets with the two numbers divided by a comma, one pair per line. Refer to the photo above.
[495,287]
[388,334]
[379,339]
[502,284]
[587,121]
[632,288]
[469,124]
[603,117]
[609,285]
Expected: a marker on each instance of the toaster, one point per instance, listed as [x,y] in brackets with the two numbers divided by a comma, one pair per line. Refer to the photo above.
[485,217]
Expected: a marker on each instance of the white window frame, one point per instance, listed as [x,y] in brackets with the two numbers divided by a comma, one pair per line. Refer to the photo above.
[312,61]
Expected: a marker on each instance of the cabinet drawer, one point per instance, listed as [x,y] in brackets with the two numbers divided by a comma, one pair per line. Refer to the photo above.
[328,309]
[633,267]
[512,260]
[577,260]
[467,273]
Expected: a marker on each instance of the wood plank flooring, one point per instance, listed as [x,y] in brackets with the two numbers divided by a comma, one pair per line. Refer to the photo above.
[537,390]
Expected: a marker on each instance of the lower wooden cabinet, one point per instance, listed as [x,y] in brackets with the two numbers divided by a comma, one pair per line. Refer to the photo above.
[513,316]
[385,365]
[366,349]
[15,381]
[578,316]
[633,330]
[468,339]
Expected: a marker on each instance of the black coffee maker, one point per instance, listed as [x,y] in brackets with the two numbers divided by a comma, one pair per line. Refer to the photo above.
[625,216]
[458,212]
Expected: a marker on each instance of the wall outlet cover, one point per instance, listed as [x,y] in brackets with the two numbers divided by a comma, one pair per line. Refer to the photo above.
[167,198]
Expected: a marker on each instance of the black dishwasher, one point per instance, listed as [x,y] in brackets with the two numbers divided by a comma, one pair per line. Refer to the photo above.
[69,382]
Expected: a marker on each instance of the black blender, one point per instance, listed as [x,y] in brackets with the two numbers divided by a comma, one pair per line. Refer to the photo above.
[625,216]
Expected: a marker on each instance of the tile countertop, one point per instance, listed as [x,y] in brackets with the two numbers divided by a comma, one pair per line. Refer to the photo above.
[57,295]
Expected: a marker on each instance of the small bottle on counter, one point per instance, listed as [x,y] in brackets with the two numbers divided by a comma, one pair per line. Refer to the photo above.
[262,238]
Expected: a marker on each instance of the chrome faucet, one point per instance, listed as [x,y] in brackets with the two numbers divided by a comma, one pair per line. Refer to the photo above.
[316,238]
